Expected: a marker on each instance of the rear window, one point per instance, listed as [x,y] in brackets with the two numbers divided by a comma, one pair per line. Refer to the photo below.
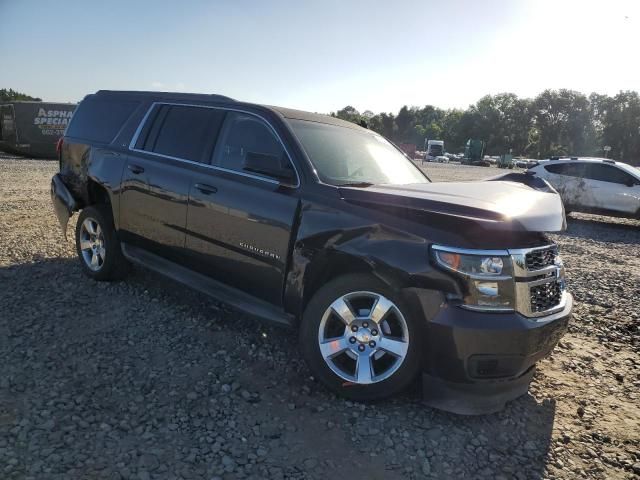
[99,120]
[183,132]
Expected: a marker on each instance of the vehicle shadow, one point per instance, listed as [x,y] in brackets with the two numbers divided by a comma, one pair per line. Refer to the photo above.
[512,443]
[109,343]
[606,229]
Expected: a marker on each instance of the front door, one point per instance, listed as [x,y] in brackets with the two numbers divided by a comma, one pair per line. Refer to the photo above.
[239,223]
[610,188]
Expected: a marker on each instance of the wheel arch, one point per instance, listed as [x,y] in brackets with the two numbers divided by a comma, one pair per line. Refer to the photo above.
[329,265]
[97,194]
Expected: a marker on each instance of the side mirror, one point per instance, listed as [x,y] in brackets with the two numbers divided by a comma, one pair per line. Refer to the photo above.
[269,165]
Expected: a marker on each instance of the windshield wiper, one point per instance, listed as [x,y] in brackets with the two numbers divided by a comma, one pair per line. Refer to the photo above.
[356,184]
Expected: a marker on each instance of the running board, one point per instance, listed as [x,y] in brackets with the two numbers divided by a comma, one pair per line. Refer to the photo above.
[234,297]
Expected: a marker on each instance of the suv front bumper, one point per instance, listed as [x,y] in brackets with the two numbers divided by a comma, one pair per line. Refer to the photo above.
[474,362]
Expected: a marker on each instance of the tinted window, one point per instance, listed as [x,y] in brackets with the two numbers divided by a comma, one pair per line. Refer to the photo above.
[568,169]
[99,120]
[249,145]
[183,132]
[607,173]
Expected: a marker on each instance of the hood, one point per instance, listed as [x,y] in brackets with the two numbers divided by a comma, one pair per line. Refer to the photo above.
[497,205]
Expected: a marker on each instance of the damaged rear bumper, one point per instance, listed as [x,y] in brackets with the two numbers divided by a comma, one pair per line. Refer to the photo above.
[476,362]
[63,202]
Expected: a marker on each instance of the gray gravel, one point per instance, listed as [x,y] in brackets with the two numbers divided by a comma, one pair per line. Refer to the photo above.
[145,379]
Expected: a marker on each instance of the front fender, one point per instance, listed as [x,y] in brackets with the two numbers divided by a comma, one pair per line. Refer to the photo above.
[64,204]
[395,257]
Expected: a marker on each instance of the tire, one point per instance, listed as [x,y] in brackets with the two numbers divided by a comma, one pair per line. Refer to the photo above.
[109,264]
[375,338]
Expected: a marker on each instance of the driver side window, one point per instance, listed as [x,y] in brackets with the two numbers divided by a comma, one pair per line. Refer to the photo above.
[248,145]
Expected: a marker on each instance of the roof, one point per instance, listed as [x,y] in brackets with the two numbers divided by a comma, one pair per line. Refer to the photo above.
[624,166]
[579,159]
[287,113]
[293,114]
[175,95]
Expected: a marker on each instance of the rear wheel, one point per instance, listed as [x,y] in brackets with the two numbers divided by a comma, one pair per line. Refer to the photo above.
[98,246]
[359,339]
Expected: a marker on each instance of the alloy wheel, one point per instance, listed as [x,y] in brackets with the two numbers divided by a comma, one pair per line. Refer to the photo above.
[92,244]
[363,337]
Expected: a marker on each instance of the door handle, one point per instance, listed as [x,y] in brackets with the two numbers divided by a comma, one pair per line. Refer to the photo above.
[206,189]
[136,169]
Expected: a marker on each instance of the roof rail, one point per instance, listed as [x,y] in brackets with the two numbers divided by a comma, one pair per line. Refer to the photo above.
[573,158]
[207,96]
[612,162]
[554,158]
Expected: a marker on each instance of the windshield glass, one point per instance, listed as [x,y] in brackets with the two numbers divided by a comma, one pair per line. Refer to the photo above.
[635,171]
[343,155]
[435,149]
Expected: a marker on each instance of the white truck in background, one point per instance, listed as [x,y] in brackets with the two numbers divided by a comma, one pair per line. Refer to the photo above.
[434,151]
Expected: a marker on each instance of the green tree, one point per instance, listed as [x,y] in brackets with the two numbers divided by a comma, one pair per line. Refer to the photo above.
[556,122]
[562,118]
[10,95]
[349,114]
[405,123]
[620,119]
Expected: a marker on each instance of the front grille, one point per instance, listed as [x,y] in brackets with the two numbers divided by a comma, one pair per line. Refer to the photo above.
[545,296]
[541,258]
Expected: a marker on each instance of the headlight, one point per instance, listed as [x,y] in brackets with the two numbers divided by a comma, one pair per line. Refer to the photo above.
[487,276]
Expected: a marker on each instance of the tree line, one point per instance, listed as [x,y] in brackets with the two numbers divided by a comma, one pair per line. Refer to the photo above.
[556,122]
[10,95]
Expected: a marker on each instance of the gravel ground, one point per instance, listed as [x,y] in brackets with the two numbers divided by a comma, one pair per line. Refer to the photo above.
[145,379]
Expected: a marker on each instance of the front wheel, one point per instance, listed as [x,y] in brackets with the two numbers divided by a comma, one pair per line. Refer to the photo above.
[359,338]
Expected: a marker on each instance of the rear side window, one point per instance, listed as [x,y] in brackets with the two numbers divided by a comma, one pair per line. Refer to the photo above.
[248,145]
[99,120]
[568,169]
[607,173]
[183,132]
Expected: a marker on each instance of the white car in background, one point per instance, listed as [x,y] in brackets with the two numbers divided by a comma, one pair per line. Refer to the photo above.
[593,185]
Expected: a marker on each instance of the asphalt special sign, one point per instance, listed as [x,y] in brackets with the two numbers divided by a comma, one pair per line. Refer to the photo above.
[52,122]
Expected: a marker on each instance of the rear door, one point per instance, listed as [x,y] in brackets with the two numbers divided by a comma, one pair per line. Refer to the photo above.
[239,223]
[608,187]
[567,179]
[155,184]
[8,125]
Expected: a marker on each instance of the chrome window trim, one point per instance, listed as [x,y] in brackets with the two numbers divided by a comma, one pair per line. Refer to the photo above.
[134,140]
[523,279]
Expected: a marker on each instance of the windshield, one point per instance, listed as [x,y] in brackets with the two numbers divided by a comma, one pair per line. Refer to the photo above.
[435,149]
[343,156]
[635,171]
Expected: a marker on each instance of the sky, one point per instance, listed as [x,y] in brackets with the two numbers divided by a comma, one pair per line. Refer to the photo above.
[321,55]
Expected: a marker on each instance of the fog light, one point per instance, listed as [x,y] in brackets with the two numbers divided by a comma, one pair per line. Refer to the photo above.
[490,289]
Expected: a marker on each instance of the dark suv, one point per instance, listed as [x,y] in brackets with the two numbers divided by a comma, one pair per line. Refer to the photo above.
[320,224]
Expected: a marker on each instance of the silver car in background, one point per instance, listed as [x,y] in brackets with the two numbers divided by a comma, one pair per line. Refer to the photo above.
[593,185]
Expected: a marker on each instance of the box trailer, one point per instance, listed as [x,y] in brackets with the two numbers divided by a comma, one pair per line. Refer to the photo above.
[33,128]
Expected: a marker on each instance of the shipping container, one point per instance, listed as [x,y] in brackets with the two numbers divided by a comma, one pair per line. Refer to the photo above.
[33,128]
